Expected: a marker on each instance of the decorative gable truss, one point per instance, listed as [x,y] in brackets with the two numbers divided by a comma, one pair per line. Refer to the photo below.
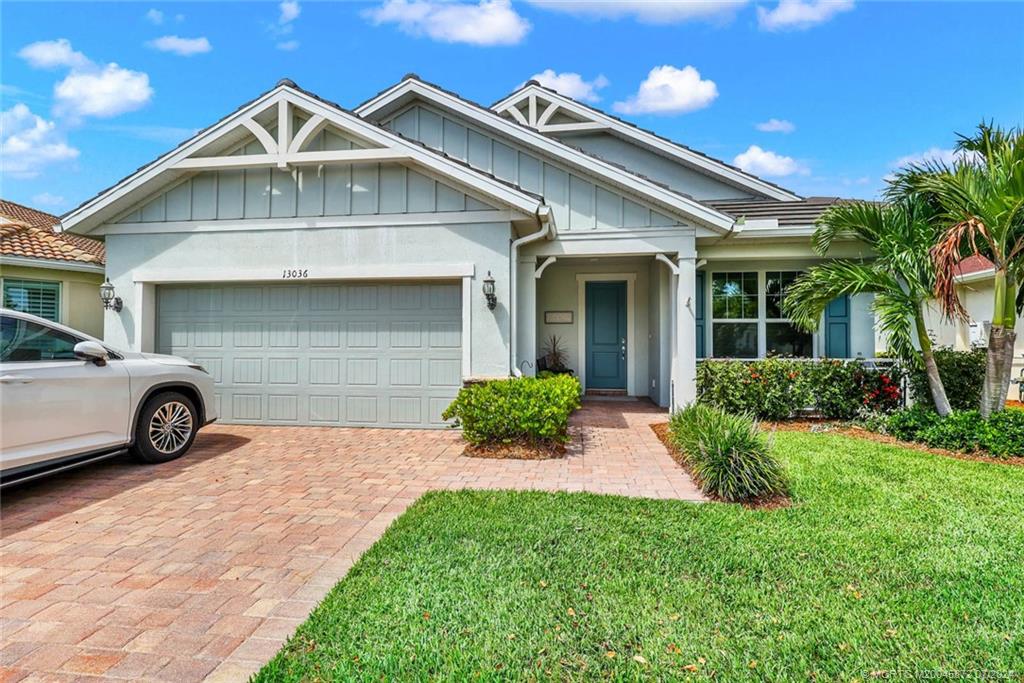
[547,115]
[288,138]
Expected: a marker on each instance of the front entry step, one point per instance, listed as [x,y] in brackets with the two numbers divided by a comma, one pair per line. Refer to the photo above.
[606,392]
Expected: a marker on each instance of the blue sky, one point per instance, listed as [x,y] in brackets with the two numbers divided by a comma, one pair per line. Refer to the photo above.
[821,97]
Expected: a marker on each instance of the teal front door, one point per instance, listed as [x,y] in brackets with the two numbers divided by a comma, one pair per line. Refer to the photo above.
[606,335]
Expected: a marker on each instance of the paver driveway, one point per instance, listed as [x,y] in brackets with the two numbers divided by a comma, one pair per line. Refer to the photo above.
[204,566]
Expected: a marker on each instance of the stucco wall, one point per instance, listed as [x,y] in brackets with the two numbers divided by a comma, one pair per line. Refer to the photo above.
[558,290]
[80,305]
[655,166]
[223,255]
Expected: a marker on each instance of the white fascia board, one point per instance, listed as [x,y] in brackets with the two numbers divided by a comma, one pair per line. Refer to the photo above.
[681,154]
[976,276]
[52,264]
[377,271]
[669,200]
[86,217]
[354,222]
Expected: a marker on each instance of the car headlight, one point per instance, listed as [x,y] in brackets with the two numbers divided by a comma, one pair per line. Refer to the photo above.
[200,368]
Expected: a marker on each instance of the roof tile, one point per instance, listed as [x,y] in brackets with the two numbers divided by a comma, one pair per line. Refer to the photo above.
[29,233]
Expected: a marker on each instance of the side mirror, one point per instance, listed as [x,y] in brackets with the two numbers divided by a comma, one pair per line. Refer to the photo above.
[92,351]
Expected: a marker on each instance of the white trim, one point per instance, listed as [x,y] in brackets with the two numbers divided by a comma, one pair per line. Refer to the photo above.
[542,267]
[975,276]
[687,157]
[312,222]
[52,264]
[331,157]
[145,181]
[671,201]
[582,127]
[391,271]
[672,265]
[262,135]
[581,339]
[314,125]
[467,327]
[623,233]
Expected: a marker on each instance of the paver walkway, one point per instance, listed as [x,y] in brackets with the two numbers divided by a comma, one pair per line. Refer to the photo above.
[201,568]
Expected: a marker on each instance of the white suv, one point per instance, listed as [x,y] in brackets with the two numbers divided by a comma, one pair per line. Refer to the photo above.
[67,399]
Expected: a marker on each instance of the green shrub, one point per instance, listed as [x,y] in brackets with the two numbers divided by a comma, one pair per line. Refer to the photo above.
[728,455]
[962,373]
[526,410]
[908,424]
[962,430]
[777,389]
[1003,434]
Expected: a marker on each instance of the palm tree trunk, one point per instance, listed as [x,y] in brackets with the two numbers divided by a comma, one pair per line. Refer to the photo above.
[931,369]
[1001,341]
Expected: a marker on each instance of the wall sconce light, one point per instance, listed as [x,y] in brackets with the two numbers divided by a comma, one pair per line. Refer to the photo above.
[492,299]
[110,302]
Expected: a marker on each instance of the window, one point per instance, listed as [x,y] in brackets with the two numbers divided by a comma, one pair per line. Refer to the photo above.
[782,338]
[26,341]
[734,315]
[744,327]
[33,296]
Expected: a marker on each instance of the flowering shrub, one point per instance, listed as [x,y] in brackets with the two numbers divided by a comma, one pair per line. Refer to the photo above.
[777,388]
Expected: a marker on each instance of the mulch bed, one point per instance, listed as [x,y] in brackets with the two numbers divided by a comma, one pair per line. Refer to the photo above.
[515,451]
[770,503]
[825,426]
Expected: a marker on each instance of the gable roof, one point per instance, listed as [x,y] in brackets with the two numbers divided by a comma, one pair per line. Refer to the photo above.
[29,233]
[600,120]
[802,212]
[385,145]
[412,87]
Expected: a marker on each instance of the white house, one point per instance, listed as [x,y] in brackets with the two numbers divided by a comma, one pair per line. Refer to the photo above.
[328,266]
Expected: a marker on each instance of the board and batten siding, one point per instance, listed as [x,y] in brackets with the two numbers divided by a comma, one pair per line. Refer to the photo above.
[350,190]
[578,203]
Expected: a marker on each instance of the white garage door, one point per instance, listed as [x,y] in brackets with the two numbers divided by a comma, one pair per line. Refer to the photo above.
[357,354]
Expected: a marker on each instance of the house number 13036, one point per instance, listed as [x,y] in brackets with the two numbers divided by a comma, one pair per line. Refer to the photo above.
[293,273]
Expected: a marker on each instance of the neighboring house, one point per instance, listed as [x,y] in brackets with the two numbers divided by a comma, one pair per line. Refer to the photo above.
[975,284]
[47,273]
[328,266]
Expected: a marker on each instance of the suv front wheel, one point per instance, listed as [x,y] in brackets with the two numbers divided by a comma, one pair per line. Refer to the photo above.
[166,428]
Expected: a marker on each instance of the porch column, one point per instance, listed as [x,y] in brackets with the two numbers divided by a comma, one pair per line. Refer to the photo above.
[684,369]
[526,316]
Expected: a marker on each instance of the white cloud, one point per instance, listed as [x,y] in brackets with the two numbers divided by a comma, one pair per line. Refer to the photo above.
[28,143]
[798,15]
[155,17]
[288,45]
[102,92]
[48,54]
[943,156]
[668,90]
[47,199]
[776,126]
[489,22]
[289,11]
[649,11]
[186,47]
[765,163]
[571,84]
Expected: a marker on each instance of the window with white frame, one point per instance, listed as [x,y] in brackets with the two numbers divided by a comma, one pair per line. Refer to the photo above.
[747,317]
[37,297]
[783,338]
[734,315]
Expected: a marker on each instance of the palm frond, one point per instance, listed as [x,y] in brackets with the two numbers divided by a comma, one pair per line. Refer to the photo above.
[809,295]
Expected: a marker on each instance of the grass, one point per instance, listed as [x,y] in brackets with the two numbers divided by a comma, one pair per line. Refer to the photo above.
[891,560]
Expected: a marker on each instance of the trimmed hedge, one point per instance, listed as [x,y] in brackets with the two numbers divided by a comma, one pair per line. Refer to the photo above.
[963,430]
[727,454]
[963,376]
[778,388]
[525,410]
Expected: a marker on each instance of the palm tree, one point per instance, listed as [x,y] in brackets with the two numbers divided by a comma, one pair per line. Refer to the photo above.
[902,276]
[981,195]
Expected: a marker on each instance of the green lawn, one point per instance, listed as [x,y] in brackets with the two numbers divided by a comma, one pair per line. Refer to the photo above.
[890,560]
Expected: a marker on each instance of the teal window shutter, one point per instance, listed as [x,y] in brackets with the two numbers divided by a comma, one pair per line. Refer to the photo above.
[699,313]
[837,328]
[33,296]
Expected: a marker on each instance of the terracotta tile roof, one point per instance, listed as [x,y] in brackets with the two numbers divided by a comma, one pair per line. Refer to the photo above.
[29,233]
[974,263]
[803,212]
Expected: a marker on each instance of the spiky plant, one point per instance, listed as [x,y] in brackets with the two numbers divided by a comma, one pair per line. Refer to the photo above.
[901,276]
